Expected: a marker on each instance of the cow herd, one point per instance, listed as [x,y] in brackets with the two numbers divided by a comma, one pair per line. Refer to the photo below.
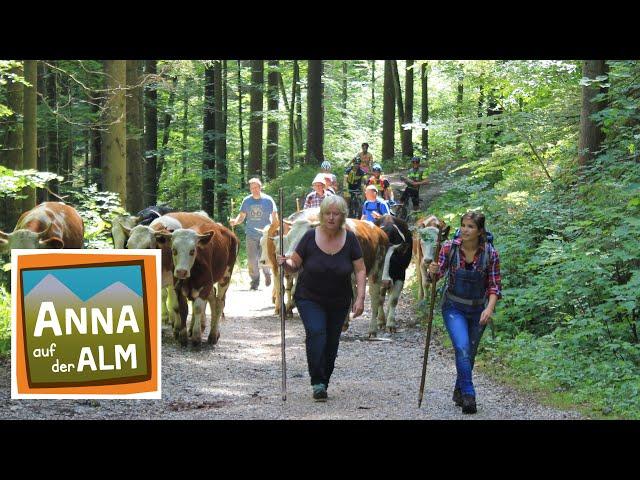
[199,254]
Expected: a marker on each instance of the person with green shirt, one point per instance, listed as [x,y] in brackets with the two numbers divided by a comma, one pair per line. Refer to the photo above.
[414,179]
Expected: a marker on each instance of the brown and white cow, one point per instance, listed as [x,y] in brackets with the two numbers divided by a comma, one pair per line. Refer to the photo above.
[48,225]
[143,237]
[122,225]
[373,242]
[424,243]
[270,244]
[203,259]
[397,260]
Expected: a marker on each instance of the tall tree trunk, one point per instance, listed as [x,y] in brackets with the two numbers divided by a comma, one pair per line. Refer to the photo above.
[591,134]
[166,128]
[52,149]
[399,103]
[478,139]
[292,123]
[114,142]
[459,99]
[41,193]
[87,164]
[315,126]
[96,147]
[255,122]
[208,142]
[388,112]
[30,128]
[242,161]
[298,103]
[221,143]
[273,102]
[345,84]
[493,108]
[65,135]
[373,94]
[151,136]
[134,137]
[424,114]
[185,146]
[12,154]
[407,135]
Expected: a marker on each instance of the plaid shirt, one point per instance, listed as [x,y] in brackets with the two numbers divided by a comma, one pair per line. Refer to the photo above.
[314,200]
[492,280]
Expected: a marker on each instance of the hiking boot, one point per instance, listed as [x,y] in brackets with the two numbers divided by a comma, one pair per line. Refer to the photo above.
[469,404]
[319,392]
[457,397]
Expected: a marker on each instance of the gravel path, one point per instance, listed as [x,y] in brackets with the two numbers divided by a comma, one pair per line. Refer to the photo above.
[240,377]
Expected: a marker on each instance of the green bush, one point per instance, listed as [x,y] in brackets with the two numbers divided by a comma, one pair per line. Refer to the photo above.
[5,321]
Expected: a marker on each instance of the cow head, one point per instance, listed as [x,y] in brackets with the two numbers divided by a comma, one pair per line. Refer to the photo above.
[396,229]
[121,227]
[297,231]
[24,238]
[142,236]
[264,245]
[427,231]
[184,248]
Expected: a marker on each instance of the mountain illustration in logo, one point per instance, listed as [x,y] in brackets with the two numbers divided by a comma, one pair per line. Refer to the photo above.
[50,289]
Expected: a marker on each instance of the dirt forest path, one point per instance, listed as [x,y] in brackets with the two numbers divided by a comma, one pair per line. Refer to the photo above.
[240,377]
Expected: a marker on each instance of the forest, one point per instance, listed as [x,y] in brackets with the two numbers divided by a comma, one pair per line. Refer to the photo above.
[548,150]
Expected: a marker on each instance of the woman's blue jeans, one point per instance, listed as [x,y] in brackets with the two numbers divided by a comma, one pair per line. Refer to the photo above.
[465,331]
[323,326]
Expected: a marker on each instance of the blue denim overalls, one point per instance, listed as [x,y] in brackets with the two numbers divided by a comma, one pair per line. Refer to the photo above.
[463,302]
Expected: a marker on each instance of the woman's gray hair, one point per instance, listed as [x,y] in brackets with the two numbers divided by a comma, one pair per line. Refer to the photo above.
[334,201]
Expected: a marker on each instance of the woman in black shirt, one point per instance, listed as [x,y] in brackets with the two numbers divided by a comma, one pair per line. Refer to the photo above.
[328,254]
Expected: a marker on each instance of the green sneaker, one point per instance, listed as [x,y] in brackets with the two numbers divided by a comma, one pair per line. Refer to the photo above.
[319,392]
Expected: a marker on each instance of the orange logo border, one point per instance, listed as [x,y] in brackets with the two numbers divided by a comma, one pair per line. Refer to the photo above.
[30,259]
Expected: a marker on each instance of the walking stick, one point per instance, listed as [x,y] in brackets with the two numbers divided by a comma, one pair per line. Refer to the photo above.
[283,311]
[297,204]
[441,235]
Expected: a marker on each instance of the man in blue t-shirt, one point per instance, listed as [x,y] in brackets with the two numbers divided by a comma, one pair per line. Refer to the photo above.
[373,207]
[260,210]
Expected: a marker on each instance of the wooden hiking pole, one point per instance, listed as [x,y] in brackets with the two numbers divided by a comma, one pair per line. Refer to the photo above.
[441,235]
[283,311]
[297,204]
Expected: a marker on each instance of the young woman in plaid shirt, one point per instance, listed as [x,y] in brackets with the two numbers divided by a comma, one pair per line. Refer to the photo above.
[472,270]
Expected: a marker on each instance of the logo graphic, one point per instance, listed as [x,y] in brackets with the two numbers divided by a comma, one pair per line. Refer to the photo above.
[255,212]
[85,324]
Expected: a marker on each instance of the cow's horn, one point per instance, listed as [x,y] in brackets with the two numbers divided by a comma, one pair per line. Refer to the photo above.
[45,231]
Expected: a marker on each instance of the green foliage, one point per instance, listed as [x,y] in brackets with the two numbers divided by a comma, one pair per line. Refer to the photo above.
[97,209]
[13,181]
[5,321]
[570,314]
[296,184]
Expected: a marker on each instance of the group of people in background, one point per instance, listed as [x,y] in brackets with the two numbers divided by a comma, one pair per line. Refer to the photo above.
[363,177]
[328,255]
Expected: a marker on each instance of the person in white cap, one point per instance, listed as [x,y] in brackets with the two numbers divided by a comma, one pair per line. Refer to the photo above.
[314,199]
[373,207]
